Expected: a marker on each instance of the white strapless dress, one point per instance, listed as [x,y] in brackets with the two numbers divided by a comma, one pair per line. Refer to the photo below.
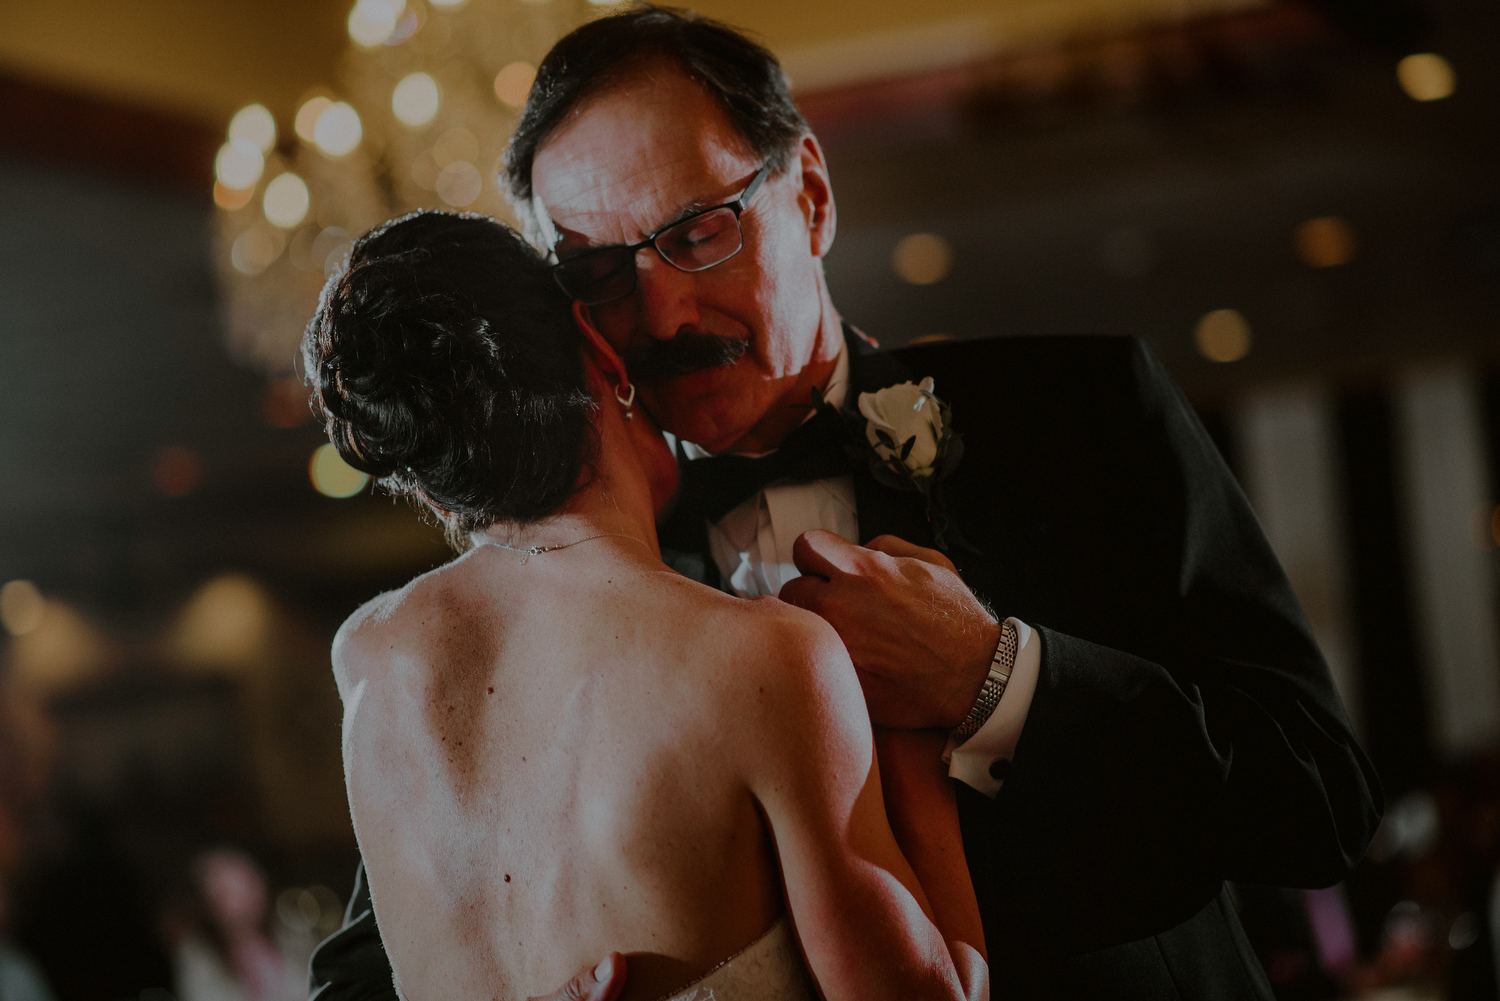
[769,969]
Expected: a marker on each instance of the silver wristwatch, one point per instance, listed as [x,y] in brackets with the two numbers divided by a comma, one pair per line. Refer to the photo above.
[1001,666]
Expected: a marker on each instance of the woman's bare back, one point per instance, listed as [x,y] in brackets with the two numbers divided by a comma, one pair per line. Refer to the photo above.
[542,766]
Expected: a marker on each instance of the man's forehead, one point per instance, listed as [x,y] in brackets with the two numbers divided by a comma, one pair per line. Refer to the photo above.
[634,158]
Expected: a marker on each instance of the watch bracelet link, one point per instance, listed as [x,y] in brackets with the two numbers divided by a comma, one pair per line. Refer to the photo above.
[1001,666]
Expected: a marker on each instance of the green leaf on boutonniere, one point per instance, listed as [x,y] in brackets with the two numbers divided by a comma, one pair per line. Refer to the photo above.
[952,451]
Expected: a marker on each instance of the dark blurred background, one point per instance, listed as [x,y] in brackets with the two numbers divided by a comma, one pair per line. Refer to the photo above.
[1296,203]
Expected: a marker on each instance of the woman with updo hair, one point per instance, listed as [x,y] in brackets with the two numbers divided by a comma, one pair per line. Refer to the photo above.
[556,748]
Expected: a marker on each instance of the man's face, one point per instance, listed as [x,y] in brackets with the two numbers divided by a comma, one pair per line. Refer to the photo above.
[643,154]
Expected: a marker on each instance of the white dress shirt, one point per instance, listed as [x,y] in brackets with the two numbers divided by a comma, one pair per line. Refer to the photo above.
[752,546]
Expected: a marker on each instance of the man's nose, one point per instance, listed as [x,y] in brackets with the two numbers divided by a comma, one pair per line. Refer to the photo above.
[668,297]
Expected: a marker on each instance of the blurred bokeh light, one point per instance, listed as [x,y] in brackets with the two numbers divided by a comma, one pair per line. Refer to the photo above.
[1426,76]
[177,471]
[415,100]
[21,607]
[1325,242]
[337,131]
[922,258]
[372,22]
[286,200]
[239,164]
[513,83]
[331,476]
[1223,335]
[256,124]
[306,122]
[226,624]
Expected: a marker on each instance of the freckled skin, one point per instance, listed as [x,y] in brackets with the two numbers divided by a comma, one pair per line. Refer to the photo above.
[661,770]
[625,767]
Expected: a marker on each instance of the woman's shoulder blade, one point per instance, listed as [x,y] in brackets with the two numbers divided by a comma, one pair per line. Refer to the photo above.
[393,621]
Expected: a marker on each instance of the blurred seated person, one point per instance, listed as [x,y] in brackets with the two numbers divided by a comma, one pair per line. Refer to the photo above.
[222,949]
[20,978]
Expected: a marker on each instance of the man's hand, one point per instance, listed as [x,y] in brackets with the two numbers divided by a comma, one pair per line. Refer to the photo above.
[593,983]
[919,638]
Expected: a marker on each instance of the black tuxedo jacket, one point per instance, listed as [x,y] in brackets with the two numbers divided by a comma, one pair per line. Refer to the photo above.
[1184,729]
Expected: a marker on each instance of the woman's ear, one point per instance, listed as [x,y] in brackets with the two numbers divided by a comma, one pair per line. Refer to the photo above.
[597,349]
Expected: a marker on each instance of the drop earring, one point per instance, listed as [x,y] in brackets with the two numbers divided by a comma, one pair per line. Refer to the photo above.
[628,401]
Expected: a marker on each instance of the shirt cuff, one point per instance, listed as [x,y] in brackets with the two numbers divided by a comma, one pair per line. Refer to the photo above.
[972,762]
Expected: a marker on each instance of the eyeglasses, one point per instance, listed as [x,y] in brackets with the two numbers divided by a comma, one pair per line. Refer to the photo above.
[696,243]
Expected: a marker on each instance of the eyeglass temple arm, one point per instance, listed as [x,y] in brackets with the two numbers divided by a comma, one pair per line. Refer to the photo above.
[755,183]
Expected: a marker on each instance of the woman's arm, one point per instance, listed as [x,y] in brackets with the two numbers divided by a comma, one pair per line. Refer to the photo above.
[861,915]
[923,814]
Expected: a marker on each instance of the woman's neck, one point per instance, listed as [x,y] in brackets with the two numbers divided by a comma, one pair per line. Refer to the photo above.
[573,525]
[615,501]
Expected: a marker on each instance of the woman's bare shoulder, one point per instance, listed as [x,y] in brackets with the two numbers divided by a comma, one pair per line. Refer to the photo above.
[762,649]
[738,627]
[394,623]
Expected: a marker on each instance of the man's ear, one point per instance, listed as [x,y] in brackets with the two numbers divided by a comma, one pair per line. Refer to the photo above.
[605,358]
[816,196]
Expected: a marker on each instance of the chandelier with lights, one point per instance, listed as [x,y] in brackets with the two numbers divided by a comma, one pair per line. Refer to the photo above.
[429,92]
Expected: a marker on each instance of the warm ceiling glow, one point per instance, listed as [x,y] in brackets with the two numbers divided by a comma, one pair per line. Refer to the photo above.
[1223,335]
[447,3]
[306,122]
[285,404]
[922,258]
[459,183]
[286,201]
[329,249]
[1128,252]
[455,144]
[231,200]
[1325,242]
[21,607]
[63,650]
[256,248]
[338,131]
[415,99]
[1426,76]
[424,171]
[255,123]
[239,164]
[513,83]
[333,477]
[177,471]
[371,22]
[227,623]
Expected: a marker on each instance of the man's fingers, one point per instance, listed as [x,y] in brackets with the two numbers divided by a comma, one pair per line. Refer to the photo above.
[804,592]
[894,545]
[593,983]
[823,554]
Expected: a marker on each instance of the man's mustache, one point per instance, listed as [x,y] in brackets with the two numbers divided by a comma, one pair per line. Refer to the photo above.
[687,352]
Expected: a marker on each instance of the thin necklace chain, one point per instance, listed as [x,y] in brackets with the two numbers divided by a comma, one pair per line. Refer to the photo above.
[538,550]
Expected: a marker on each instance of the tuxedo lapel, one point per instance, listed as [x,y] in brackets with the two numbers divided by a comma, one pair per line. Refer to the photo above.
[882,510]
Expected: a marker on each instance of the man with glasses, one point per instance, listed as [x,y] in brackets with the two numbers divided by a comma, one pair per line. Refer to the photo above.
[1153,720]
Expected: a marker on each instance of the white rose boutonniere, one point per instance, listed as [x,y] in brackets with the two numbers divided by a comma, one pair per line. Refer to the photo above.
[905,432]
[904,425]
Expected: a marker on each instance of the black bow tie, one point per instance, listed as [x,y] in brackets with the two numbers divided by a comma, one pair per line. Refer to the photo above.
[816,450]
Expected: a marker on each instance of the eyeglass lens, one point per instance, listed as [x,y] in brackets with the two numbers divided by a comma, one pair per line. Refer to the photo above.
[695,244]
